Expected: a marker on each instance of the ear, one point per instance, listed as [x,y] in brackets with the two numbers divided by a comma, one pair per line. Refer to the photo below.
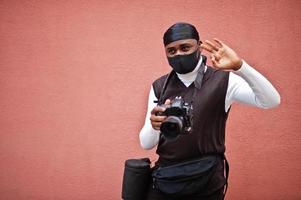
[199,44]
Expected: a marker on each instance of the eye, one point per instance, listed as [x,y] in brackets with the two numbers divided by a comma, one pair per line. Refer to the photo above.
[171,51]
[185,48]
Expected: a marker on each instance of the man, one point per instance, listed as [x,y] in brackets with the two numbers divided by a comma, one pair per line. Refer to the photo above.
[211,91]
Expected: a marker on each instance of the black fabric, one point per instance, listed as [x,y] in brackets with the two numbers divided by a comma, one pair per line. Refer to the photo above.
[209,116]
[209,192]
[154,194]
[137,173]
[180,31]
[185,178]
[227,169]
[184,64]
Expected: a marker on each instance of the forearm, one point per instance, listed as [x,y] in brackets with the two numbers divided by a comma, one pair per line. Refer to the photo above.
[254,89]
[148,136]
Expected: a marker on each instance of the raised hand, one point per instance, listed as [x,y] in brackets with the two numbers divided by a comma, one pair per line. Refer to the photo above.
[222,56]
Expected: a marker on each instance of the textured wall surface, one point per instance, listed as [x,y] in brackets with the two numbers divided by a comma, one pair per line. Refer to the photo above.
[74,81]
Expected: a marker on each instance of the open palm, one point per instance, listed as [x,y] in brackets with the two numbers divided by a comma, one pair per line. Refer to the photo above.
[222,56]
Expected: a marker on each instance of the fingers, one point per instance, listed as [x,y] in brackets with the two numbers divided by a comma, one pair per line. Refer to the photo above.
[213,46]
[219,42]
[156,125]
[207,48]
[216,49]
[156,120]
[154,114]
[157,109]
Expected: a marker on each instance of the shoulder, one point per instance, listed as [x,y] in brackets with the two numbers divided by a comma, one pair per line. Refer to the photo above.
[216,78]
[212,72]
[161,79]
[158,84]
[216,71]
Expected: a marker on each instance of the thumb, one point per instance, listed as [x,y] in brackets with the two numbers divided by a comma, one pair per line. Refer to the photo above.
[167,102]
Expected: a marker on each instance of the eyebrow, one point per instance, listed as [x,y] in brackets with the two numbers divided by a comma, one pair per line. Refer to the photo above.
[186,44]
[170,48]
[181,45]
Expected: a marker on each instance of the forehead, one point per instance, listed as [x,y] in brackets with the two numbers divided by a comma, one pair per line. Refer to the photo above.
[181,42]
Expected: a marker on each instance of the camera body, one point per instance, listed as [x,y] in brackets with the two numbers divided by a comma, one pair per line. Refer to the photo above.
[179,118]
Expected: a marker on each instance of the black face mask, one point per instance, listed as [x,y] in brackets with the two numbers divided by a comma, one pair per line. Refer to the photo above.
[183,64]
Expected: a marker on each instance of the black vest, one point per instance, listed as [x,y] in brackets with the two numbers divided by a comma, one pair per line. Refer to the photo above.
[209,117]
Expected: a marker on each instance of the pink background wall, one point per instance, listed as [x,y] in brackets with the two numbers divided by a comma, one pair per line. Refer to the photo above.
[74,80]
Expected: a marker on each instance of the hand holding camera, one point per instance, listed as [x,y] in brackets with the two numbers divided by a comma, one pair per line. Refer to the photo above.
[156,120]
[173,118]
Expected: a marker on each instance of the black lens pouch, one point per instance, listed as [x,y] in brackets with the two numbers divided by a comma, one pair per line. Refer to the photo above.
[136,177]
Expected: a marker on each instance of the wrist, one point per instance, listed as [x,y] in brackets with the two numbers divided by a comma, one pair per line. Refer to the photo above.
[237,65]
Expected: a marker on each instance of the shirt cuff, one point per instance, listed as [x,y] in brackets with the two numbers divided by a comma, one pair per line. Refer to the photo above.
[243,69]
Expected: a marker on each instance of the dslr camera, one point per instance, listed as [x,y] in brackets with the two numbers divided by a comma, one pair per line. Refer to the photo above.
[179,118]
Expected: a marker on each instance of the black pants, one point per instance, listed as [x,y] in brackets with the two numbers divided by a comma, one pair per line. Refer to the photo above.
[214,189]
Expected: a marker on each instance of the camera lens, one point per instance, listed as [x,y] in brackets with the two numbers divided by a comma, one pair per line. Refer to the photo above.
[171,127]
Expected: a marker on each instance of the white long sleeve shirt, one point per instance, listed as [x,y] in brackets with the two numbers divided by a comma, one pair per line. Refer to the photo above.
[245,85]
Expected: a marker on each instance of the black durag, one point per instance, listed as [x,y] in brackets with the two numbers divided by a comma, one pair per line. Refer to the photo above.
[180,31]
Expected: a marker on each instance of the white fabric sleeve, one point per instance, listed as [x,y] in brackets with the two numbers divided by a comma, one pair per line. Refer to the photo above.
[248,86]
[148,136]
